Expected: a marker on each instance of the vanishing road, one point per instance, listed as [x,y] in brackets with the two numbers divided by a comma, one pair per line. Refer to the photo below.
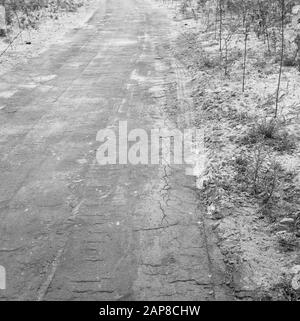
[71,229]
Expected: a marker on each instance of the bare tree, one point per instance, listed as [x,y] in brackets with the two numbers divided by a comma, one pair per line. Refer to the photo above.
[282,3]
[246,25]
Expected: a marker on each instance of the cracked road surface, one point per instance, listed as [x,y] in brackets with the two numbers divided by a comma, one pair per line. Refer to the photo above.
[71,229]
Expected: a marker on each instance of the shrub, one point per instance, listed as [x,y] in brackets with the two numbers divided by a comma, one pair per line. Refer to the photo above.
[271,133]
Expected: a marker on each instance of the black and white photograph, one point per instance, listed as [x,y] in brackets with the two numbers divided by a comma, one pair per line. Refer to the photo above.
[149,152]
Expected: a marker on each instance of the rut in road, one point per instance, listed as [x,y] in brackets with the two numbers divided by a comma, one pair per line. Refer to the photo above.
[72,229]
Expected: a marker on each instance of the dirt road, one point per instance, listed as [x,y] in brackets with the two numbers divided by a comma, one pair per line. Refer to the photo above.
[71,229]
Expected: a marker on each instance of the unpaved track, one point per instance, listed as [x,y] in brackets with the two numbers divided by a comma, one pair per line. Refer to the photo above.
[70,228]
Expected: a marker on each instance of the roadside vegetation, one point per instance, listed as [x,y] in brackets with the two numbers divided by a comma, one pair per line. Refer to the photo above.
[28,13]
[29,26]
[245,63]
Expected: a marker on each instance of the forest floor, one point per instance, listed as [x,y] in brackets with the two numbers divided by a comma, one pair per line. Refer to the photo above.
[251,184]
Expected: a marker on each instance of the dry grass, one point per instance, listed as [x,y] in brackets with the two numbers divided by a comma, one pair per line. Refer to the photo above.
[272,133]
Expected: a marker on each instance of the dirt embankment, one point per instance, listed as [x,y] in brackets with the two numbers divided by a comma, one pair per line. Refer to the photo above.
[251,184]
